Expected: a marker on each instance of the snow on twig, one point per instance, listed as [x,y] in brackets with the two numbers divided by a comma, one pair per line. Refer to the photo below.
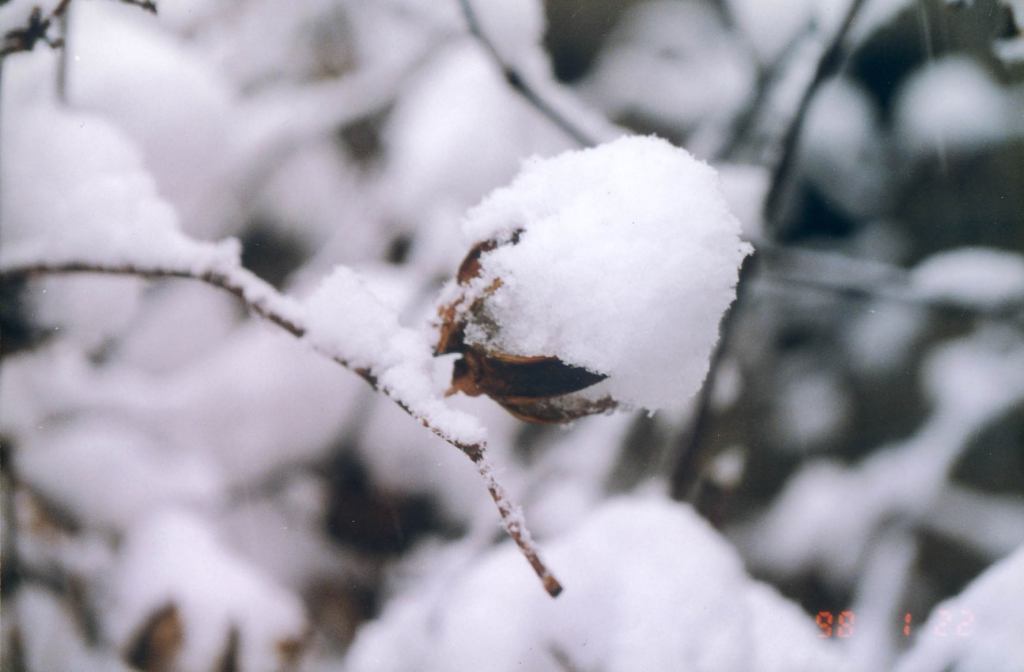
[410,394]
[974,283]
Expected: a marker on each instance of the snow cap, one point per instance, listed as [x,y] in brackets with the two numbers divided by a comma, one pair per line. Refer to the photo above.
[625,259]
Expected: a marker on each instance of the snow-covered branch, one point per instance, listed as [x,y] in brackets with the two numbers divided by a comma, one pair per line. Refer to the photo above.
[185,486]
[395,379]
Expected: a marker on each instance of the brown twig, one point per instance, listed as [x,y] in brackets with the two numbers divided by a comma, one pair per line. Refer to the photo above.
[263,300]
[36,30]
[38,27]
[144,5]
[519,84]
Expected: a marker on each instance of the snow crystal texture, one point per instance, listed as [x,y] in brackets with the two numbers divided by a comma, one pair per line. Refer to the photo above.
[650,586]
[627,258]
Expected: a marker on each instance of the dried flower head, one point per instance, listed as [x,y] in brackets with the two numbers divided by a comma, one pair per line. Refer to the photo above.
[599,283]
[533,388]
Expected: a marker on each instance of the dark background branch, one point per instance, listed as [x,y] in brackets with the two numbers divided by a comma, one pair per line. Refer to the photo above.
[519,84]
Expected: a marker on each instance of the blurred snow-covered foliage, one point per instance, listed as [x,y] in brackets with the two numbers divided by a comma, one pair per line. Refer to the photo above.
[187,488]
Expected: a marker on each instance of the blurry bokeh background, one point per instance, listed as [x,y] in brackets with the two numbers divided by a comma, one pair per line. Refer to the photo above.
[187,488]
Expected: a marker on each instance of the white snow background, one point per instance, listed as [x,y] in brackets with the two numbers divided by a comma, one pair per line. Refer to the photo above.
[164,448]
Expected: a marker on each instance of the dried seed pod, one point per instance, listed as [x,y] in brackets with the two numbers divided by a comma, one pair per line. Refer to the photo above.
[610,294]
[541,389]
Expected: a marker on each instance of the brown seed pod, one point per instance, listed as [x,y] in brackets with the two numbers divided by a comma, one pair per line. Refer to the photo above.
[541,389]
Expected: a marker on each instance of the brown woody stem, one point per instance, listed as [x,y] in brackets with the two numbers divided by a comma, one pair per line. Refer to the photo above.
[263,300]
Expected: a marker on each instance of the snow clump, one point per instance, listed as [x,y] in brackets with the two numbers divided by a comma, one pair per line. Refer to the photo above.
[623,259]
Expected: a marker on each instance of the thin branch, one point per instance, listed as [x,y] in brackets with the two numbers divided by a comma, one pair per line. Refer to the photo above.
[831,59]
[686,475]
[692,452]
[10,571]
[779,265]
[63,14]
[263,300]
[38,27]
[1009,313]
[2,148]
[744,123]
[519,84]
[144,5]
[992,524]
[875,281]
[61,8]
